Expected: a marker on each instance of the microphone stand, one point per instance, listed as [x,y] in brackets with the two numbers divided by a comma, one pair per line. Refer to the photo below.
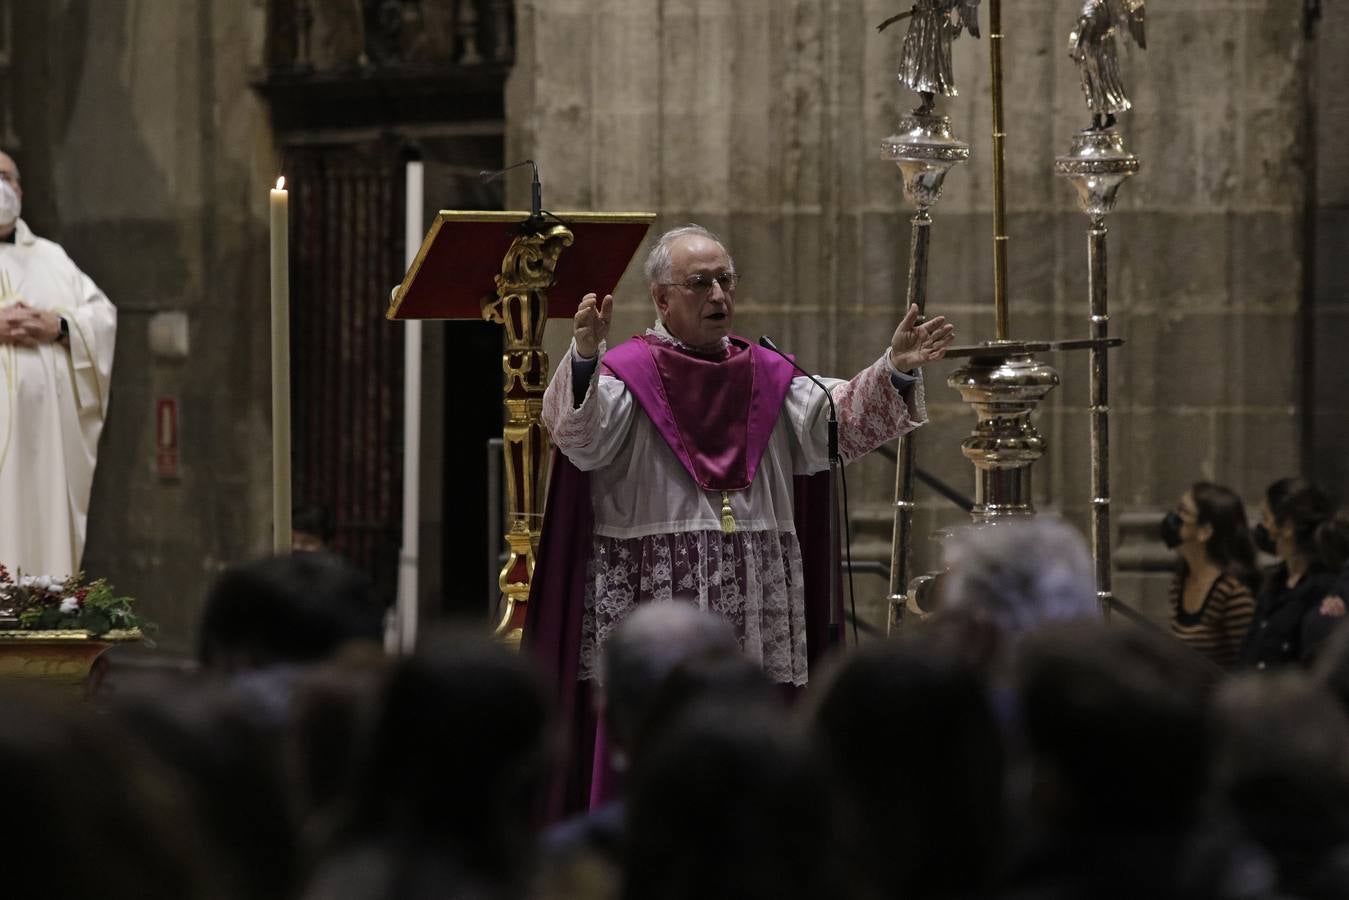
[835,475]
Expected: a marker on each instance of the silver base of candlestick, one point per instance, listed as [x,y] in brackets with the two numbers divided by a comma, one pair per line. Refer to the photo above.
[1097,164]
[1004,390]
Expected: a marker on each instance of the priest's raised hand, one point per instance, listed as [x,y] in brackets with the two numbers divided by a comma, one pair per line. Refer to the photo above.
[918,343]
[591,324]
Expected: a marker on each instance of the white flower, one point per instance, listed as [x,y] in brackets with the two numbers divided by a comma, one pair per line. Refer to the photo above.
[70,605]
[47,583]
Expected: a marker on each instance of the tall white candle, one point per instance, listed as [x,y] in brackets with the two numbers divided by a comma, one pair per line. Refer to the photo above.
[406,610]
[281,504]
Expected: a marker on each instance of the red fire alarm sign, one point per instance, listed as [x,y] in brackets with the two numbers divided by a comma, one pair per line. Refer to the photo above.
[166,437]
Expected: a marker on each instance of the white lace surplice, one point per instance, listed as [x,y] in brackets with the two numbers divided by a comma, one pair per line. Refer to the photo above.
[658,535]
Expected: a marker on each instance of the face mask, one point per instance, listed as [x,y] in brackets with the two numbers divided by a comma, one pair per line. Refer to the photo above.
[1263,541]
[10,206]
[1170,530]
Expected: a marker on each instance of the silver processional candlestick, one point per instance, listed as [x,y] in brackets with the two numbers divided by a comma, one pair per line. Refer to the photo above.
[924,150]
[1097,164]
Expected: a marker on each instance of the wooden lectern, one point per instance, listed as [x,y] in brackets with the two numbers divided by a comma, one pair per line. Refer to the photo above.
[482,265]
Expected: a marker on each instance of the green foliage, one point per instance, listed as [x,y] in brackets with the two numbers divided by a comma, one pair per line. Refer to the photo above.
[49,604]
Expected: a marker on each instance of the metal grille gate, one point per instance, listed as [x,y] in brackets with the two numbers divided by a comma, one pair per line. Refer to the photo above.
[346,359]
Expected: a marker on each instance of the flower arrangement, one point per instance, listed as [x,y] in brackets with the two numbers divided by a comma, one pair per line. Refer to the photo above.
[47,603]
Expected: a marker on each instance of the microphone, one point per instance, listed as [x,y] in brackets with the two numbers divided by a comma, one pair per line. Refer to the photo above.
[837,480]
[767,343]
[535,191]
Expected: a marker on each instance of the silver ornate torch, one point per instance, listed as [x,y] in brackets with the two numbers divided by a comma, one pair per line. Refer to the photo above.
[924,150]
[1097,164]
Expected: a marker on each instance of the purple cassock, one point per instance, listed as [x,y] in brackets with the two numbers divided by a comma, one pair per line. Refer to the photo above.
[716,416]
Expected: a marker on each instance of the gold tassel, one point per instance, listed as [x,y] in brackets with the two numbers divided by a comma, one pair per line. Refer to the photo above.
[727,520]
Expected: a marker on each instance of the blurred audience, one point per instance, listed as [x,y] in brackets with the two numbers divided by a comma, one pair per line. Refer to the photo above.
[1007,580]
[1212,595]
[444,802]
[909,738]
[1114,729]
[1281,779]
[292,609]
[1013,745]
[88,815]
[653,646]
[265,621]
[221,745]
[731,802]
[329,733]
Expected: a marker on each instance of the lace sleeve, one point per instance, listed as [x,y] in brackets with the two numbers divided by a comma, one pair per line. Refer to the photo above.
[871,410]
[590,434]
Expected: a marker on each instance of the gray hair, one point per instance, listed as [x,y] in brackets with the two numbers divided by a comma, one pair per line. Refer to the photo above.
[658,263]
[1020,575]
[646,647]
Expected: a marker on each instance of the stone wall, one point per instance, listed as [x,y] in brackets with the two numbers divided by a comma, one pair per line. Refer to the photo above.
[145,153]
[763,121]
[1327,375]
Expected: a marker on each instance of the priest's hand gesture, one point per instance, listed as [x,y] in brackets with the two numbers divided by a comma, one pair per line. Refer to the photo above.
[591,324]
[916,343]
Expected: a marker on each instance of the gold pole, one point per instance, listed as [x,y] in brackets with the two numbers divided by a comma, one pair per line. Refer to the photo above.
[999,173]
[521,305]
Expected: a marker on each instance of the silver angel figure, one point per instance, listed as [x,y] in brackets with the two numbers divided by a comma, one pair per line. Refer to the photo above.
[1092,47]
[925,61]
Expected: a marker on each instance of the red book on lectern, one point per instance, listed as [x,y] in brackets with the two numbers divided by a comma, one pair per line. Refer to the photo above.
[458,262]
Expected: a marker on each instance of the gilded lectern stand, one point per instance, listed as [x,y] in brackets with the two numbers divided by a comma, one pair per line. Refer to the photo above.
[518,272]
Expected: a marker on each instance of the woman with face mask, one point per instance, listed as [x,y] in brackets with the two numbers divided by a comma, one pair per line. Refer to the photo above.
[1212,597]
[1298,526]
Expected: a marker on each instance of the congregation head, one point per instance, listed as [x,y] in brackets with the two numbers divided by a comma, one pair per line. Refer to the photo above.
[1019,575]
[1092,702]
[1298,519]
[1218,519]
[918,821]
[642,653]
[290,609]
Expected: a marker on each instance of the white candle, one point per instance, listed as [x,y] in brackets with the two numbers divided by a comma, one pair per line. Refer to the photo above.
[406,609]
[280,210]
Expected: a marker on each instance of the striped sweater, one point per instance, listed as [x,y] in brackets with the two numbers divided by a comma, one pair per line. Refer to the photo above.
[1219,626]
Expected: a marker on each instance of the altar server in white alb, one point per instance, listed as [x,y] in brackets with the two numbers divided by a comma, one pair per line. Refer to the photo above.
[56,342]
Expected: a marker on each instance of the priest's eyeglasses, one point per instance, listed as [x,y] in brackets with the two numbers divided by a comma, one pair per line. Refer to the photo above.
[702,284]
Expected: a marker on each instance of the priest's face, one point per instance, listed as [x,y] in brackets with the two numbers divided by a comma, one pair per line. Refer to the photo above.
[698,302]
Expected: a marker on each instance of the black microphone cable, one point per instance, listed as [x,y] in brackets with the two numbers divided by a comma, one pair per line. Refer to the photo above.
[767,343]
